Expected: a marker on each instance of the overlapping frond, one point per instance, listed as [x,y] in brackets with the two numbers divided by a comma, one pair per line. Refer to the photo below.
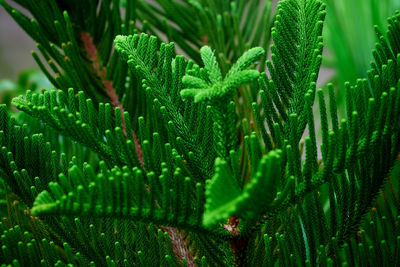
[24,245]
[162,73]
[357,156]
[26,175]
[76,46]
[103,129]
[22,249]
[217,24]
[225,198]
[375,243]
[168,199]
[296,58]
[173,181]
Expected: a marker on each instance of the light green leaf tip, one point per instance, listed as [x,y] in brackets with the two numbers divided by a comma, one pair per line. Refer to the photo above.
[210,64]
[120,42]
[214,86]
[248,58]
[224,197]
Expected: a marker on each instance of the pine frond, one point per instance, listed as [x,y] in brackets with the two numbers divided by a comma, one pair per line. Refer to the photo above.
[210,64]
[156,160]
[296,55]
[219,93]
[76,47]
[79,119]
[134,195]
[351,153]
[224,196]
[213,88]
[20,249]
[108,242]
[218,25]
[26,176]
[158,76]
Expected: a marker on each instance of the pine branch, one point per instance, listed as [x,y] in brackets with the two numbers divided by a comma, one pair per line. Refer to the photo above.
[215,88]
[92,52]
[295,64]
[26,176]
[158,84]
[179,245]
[224,197]
[207,85]
[188,176]
[131,198]
[83,122]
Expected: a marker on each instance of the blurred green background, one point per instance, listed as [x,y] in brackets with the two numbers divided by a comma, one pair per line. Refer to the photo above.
[350,36]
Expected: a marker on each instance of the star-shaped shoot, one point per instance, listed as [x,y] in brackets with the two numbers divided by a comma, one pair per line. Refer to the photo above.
[215,87]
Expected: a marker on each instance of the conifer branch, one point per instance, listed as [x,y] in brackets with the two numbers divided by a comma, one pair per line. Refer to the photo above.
[101,72]
[179,245]
[137,158]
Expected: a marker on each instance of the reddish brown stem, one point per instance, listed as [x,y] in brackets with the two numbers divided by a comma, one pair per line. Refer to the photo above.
[101,72]
[178,244]
[239,243]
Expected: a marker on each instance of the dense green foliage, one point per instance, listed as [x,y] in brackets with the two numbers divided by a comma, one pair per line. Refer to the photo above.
[142,157]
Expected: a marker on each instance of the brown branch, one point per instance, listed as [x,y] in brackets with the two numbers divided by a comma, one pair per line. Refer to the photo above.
[238,244]
[178,243]
[101,72]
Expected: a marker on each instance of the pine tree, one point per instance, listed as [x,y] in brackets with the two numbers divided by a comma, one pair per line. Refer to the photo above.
[141,157]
